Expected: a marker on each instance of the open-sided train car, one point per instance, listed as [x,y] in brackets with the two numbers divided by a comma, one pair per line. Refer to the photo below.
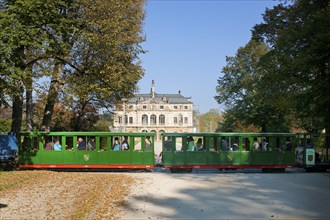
[86,150]
[268,151]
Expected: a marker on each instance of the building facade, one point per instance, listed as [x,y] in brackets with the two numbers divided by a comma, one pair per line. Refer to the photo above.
[155,112]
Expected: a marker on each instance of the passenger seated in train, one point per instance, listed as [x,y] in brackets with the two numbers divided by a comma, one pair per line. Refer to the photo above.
[264,145]
[288,144]
[235,147]
[81,144]
[199,145]
[224,144]
[57,145]
[116,144]
[91,145]
[124,144]
[49,146]
[256,145]
[168,144]
[190,144]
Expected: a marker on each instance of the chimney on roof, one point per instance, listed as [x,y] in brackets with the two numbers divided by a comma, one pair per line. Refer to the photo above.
[152,89]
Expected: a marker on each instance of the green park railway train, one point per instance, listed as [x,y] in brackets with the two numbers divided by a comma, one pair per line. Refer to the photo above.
[178,151]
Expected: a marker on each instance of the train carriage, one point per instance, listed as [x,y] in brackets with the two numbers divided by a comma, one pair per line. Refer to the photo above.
[268,151]
[180,151]
[86,150]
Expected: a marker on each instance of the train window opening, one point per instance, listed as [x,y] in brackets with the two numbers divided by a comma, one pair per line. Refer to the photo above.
[190,144]
[168,144]
[104,144]
[147,143]
[288,144]
[278,144]
[115,143]
[57,143]
[137,146]
[234,143]
[90,143]
[30,143]
[125,144]
[199,144]
[246,145]
[86,143]
[224,144]
[179,144]
[264,144]
[213,144]
[256,144]
[48,142]
[69,143]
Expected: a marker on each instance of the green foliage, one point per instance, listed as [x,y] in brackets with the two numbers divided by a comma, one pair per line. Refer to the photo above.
[280,79]
[298,62]
[209,122]
[87,50]
[239,89]
[5,124]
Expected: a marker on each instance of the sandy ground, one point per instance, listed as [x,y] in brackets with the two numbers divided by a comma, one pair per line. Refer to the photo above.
[229,195]
[159,194]
[62,195]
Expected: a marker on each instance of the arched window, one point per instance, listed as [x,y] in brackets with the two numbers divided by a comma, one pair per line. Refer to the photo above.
[144,119]
[153,119]
[162,119]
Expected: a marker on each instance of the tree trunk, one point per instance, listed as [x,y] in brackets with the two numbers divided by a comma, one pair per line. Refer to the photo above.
[327,132]
[17,112]
[52,96]
[29,101]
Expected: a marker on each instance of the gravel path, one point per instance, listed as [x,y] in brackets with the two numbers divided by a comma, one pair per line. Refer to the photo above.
[158,194]
[230,195]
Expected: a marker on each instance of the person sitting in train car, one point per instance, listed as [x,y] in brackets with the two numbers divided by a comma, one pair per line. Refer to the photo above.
[91,145]
[288,144]
[147,146]
[199,145]
[116,144]
[168,144]
[49,146]
[124,144]
[190,144]
[81,144]
[224,144]
[256,145]
[57,145]
[235,147]
[264,145]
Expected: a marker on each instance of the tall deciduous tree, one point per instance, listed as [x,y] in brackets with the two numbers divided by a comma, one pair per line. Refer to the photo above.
[91,48]
[209,122]
[299,37]
[239,90]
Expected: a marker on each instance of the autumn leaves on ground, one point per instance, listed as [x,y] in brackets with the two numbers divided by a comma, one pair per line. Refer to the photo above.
[62,195]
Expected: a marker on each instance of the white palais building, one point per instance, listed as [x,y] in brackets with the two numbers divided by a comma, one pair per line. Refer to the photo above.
[155,112]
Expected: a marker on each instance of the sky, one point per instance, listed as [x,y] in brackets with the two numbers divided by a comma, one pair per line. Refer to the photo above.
[187,42]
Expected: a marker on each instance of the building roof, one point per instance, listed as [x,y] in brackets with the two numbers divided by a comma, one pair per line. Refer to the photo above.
[161,98]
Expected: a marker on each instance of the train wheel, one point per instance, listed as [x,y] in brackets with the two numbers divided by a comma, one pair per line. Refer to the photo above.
[265,170]
[178,170]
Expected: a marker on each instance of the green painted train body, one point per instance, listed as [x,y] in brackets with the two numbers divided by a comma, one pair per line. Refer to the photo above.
[228,150]
[180,151]
[37,150]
